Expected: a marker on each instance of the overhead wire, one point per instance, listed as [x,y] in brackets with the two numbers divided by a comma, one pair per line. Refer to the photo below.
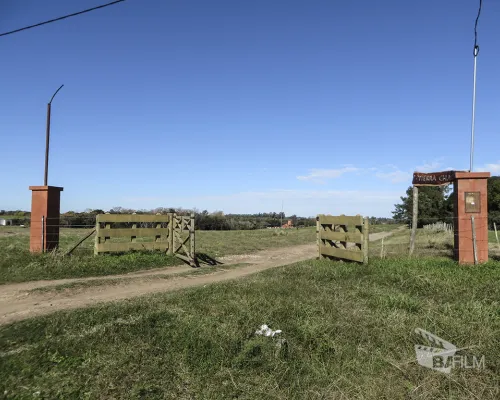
[476,46]
[60,18]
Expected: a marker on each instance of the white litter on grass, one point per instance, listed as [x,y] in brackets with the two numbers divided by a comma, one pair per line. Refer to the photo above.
[266,331]
[281,344]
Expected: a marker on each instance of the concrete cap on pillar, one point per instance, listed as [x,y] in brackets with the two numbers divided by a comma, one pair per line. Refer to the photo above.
[472,175]
[42,188]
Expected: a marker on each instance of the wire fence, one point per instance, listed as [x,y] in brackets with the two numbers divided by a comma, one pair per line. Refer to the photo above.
[63,234]
[75,235]
[435,237]
[439,237]
[53,233]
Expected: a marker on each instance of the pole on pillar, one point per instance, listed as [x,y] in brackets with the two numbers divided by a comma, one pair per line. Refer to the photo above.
[47,139]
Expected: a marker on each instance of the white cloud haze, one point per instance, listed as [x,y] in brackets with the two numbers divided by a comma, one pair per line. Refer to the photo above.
[321,175]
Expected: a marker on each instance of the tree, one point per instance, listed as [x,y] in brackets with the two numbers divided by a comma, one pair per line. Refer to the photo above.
[434,204]
[494,201]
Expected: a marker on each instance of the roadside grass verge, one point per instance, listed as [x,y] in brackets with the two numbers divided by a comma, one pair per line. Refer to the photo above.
[19,265]
[349,329]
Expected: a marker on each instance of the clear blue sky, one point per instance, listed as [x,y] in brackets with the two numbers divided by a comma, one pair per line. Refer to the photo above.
[237,106]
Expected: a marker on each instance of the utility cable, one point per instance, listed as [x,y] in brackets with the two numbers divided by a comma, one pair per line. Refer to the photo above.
[60,18]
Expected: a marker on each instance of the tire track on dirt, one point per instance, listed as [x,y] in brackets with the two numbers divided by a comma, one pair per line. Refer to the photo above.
[18,302]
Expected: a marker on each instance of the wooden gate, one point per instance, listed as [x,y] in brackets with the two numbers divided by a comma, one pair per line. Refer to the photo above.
[342,237]
[169,233]
[183,232]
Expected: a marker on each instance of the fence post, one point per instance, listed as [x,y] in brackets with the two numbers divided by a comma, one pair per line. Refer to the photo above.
[191,239]
[414,220]
[171,234]
[382,249]
[97,238]
[474,248]
[318,236]
[366,233]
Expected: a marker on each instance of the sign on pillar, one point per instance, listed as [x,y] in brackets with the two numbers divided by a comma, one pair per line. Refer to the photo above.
[470,211]
[471,200]
[45,218]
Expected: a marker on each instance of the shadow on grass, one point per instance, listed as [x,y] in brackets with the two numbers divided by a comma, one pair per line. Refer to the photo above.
[206,259]
[494,257]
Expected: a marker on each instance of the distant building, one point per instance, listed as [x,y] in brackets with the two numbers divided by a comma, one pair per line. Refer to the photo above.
[5,222]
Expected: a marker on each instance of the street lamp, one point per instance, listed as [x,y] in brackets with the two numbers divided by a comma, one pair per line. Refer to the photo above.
[47,138]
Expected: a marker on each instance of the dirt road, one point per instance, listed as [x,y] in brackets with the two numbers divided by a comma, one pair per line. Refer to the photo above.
[20,301]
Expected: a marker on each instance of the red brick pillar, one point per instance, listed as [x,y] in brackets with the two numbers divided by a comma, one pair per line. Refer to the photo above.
[471,199]
[45,202]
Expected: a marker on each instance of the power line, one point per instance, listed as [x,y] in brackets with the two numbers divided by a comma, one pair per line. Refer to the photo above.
[60,18]
[476,46]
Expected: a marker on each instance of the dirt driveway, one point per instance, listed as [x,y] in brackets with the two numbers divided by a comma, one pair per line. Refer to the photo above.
[25,300]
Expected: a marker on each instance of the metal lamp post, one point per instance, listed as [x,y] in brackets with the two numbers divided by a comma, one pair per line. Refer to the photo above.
[47,138]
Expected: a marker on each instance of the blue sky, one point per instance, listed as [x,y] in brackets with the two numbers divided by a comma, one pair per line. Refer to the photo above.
[328,106]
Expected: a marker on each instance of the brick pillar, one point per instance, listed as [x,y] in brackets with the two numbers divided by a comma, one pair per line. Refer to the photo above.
[471,199]
[45,202]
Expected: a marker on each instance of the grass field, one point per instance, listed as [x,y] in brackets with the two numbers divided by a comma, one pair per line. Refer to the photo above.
[349,329]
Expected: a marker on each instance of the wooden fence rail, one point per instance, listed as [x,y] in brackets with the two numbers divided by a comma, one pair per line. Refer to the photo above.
[342,237]
[168,233]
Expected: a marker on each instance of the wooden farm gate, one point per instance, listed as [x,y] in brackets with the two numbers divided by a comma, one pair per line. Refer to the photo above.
[169,233]
[342,237]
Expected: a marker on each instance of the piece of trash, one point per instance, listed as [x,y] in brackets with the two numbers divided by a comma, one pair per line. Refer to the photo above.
[266,331]
[281,343]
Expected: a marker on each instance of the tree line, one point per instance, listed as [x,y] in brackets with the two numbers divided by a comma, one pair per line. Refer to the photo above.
[204,220]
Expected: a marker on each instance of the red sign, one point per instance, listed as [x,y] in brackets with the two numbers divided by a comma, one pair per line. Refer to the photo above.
[433,178]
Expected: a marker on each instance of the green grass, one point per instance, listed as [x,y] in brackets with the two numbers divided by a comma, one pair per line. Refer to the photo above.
[21,266]
[350,331]
[223,243]
[17,264]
